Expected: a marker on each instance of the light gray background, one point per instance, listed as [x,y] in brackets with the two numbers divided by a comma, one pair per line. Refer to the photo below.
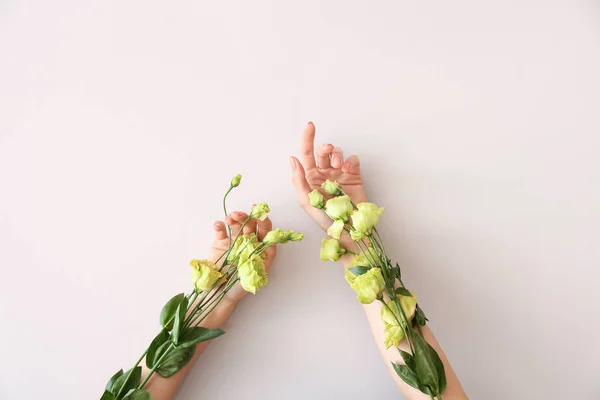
[121,123]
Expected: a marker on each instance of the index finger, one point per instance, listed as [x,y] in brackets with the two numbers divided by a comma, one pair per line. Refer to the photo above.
[307,148]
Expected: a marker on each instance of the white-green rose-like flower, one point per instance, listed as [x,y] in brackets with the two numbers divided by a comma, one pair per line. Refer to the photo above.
[336,229]
[316,199]
[364,219]
[339,208]
[204,274]
[391,316]
[252,274]
[331,187]
[365,259]
[260,211]
[368,286]
[331,250]
[243,247]
[235,181]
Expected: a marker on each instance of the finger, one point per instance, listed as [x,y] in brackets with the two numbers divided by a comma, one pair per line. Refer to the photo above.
[307,147]
[299,180]
[235,220]
[250,227]
[220,230]
[352,165]
[271,253]
[302,191]
[264,227]
[337,158]
[323,156]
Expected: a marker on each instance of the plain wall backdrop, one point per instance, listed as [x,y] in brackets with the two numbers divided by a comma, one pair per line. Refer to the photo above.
[478,127]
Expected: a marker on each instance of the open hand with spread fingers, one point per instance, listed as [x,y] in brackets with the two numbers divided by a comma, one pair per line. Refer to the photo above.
[329,163]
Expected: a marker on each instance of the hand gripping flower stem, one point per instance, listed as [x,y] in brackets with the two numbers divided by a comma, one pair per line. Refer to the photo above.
[372,276]
[184,317]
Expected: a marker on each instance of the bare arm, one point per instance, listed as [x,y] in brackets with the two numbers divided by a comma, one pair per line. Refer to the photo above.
[165,388]
[329,164]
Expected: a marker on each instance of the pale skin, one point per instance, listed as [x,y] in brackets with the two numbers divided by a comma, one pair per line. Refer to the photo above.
[314,168]
[309,173]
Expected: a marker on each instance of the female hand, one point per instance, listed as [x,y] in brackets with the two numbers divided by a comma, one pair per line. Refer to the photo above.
[329,164]
[221,243]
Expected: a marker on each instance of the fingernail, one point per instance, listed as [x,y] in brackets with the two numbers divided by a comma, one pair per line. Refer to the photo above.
[293,163]
[309,124]
[217,226]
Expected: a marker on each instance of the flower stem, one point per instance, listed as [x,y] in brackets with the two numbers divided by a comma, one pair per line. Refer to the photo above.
[156,365]
[131,371]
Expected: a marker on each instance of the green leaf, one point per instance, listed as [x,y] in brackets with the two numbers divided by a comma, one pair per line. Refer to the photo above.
[429,366]
[161,338]
[111,381]
[420,317]
[358,270]
[108,395]
[137,394]
[127,381]
[179,320]
[198,334]
[175,360]
[168,312]
[403,292]
[409,360]
[408,376]
[397,271]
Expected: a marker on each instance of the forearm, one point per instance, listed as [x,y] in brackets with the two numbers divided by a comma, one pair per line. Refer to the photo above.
[165,388]
[454,390]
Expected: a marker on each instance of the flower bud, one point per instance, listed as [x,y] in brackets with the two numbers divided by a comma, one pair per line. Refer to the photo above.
[331,250]
[235,181]
[294,236]
[316,199]
[275,236]
[260,211]
[332,187]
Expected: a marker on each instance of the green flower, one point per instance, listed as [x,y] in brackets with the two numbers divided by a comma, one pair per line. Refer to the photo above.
[260,211]
[391,316]
[242,248]
[336,229]
[204,274]
[331,187]
[364,219]
[331,250]
[235,181]
[369,286]
[339,208]
[275,236]
[294,236]
[393,335]
[365,260]
[252,274]
[316,199]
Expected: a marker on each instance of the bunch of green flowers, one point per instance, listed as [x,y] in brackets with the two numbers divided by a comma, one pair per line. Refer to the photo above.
[374,278]
[174,346]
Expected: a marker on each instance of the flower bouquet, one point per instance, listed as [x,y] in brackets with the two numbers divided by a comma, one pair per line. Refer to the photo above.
[243,261]
[373,276]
